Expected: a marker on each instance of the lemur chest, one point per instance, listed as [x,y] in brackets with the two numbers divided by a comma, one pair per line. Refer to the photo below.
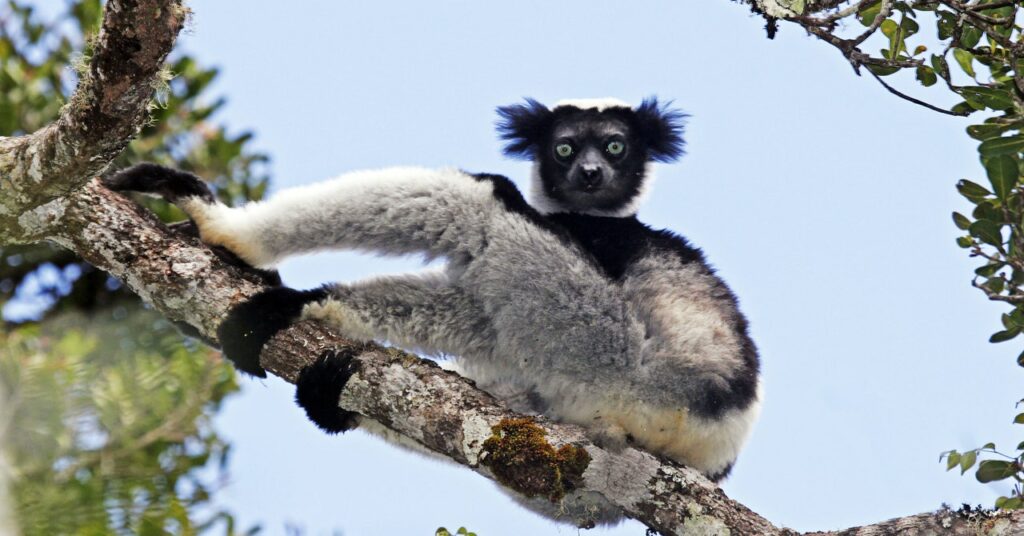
[614,244]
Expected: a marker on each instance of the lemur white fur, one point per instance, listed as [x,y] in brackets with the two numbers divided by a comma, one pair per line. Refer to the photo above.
[655,353]
[600,104]
[544,204]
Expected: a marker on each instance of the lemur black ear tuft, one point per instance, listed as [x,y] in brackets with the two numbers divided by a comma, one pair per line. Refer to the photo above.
[662,128]
[523,126]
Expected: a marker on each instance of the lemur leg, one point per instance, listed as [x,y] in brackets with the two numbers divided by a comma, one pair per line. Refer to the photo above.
[399,210]
[422,312]
[174,185]
[416,311]
[395,211]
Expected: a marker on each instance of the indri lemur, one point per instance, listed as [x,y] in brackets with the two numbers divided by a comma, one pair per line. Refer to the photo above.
[566,305]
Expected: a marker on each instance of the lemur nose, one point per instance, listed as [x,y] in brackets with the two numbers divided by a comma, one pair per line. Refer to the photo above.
[591,176]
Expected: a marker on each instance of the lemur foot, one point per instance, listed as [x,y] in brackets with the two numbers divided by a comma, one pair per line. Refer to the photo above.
[319,387]
[171,184]
[251,324]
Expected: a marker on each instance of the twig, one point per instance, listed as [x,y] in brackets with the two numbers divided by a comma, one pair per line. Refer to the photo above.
[833,17]
[879,19]
[1015,299]
[992,5]
[919,102]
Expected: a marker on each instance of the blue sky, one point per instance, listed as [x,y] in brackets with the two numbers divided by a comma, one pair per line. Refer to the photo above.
[820,198]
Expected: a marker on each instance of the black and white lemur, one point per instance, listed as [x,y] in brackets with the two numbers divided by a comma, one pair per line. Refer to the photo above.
[566,306]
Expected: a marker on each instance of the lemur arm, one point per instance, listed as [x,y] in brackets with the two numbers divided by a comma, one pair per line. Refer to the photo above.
[394,211]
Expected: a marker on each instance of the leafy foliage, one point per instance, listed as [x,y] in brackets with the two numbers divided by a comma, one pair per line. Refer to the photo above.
[36,79]
[106,418]
[461,532]
[984,41]
[107,426]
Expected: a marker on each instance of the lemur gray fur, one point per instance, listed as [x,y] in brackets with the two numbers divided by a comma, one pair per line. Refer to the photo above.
[566,306]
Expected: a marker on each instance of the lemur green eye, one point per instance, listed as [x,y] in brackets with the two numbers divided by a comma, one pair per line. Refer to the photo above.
[563,150]
[616,147]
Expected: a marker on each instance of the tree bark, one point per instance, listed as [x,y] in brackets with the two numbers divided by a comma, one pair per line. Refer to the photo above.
[50,192]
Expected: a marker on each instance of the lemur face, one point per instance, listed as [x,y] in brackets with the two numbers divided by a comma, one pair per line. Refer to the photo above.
[591,160]
[591,156]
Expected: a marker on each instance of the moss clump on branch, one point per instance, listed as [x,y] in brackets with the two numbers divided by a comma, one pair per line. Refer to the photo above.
[522,459]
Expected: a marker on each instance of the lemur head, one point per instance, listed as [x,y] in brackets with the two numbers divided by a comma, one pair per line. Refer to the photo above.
[591,155]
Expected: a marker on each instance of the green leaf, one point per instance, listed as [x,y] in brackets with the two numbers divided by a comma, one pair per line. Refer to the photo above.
[969,36]
[1004,318]
[926,75]
[1020,363]
[1020,446]
[1016,318]
[989,270]
[990,446]
[965,59]
[994,98]
[952,460]
[940,65]
[972,190]
[984,132]
[868,14]
[1003,336]
[967,460]
[987,231]
[1003,174]
[946,24]
[974,103]
[889,28]
[961,221]
[882,70]
[1009,503]
[1004,145]
[963,108]
[1019,419]
[909,27]
[993,470]
[988,210]
[996,286]
[965,241]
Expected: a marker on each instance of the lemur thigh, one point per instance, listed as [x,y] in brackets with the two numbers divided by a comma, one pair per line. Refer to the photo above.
[393,211]
[416,311]
[554,312]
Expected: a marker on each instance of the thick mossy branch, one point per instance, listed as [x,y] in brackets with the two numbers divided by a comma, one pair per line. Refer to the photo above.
[107,110]
[522,459]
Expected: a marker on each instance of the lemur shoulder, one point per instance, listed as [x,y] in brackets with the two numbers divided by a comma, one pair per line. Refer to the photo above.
[567,305]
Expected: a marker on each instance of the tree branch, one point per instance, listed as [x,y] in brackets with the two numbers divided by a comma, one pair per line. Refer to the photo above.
[107,110]
[918,102]
[412,397]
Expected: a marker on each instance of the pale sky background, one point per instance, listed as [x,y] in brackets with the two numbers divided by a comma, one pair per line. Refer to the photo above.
[822,200]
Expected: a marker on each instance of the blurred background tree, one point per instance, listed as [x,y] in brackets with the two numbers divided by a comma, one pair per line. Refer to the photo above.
[106,411]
